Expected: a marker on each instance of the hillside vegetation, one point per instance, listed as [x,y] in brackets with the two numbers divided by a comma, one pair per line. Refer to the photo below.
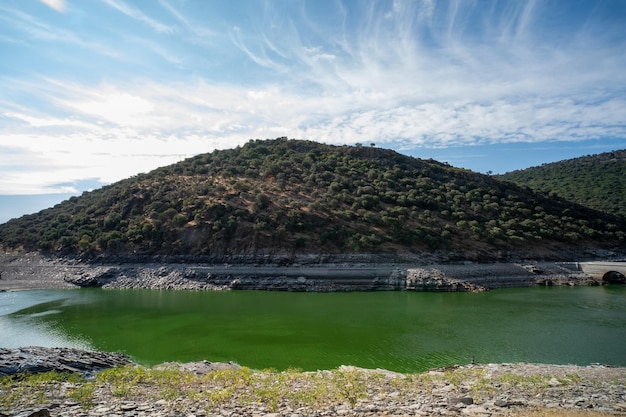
[286,196]
[596,181]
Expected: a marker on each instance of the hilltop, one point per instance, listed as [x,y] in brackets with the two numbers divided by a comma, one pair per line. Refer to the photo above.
[288,197]
[596,181]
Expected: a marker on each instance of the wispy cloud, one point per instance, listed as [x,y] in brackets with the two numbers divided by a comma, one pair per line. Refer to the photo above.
[36,30]
[140,16]
[260,57]
[401,73]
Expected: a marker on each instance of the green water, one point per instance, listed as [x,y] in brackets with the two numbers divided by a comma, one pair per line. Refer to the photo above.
[399,331]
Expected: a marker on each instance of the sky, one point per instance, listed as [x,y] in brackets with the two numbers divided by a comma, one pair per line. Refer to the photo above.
[95,91]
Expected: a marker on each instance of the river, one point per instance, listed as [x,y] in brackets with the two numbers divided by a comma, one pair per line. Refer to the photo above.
[400,331]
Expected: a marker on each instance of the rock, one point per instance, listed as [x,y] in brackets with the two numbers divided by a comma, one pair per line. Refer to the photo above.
[578,401]
[621,406]
[40,413]
[39,359]
[434,280]
[501,403]
[554,382]
[453,401]
[128,407]
[84,281]
[508,403]
[475,410]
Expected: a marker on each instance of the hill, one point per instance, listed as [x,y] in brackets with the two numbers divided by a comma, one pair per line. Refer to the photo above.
[286,197]
[596,181]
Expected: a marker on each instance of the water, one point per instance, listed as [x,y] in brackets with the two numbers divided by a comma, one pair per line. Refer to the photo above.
[399,331]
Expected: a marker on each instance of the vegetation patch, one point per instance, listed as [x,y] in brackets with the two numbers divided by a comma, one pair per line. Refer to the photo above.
[596,181]
[271,391]
[27,389]
[293,196]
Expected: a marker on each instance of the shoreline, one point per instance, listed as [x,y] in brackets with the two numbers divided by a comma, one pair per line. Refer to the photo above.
[214,389]
[474,389]
[33,271]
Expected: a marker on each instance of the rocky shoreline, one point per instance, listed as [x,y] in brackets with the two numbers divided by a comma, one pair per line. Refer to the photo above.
[32,271]
[34,360]
[476,389]
[208,389]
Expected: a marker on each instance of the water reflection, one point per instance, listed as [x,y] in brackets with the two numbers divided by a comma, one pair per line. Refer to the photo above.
[26,331]
[21,324]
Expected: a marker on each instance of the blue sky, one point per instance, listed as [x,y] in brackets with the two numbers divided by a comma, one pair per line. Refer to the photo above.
[96,91]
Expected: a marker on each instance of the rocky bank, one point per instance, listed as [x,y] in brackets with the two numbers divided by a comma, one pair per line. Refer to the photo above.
[207,389]
[30,271]
[34,360]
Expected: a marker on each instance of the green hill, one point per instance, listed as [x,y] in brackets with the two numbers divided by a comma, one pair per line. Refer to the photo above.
[596,181]
[283,196]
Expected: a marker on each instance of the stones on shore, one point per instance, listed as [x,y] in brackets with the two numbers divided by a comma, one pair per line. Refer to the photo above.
[217,389]
[434,280]
[34,360]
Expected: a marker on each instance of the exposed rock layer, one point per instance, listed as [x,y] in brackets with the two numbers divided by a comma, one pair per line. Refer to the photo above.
[29,272]
[34,360]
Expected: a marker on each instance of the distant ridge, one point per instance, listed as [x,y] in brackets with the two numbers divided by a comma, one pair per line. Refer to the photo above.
[285,197]
[596,181]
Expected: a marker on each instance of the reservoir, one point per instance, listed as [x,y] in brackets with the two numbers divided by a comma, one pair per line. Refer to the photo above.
[400,331]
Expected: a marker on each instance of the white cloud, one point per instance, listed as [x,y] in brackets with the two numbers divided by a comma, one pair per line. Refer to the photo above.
[377,79]
[37,164]
[47,121]
[58,5]
[120,108]
[149,125]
